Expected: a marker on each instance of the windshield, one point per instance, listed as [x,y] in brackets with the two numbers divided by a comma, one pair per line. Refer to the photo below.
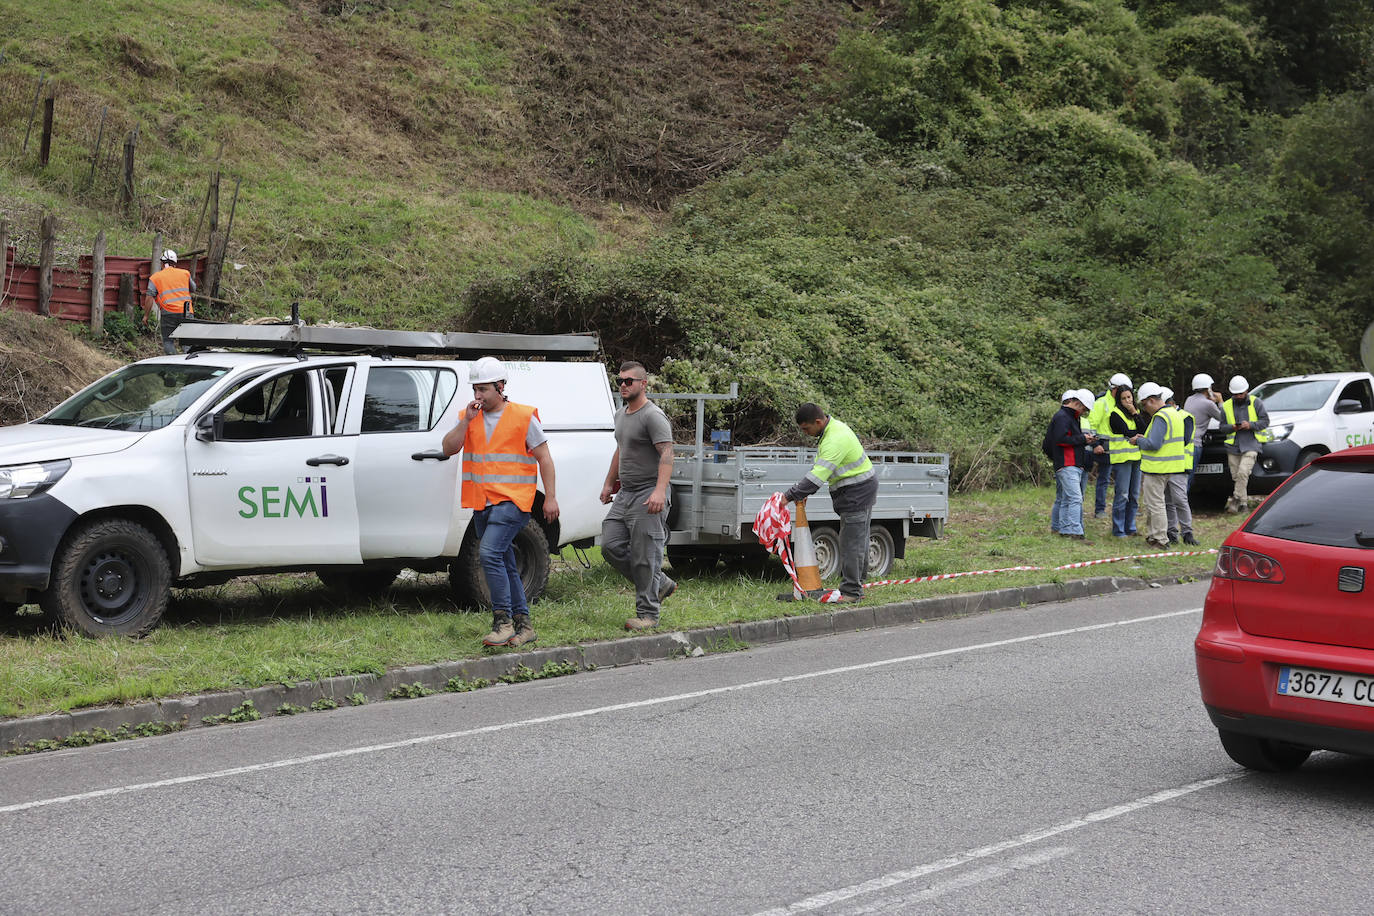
[137,398]
[1303,395]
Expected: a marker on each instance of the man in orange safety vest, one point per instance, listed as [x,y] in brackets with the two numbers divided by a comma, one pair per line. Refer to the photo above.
[170,290]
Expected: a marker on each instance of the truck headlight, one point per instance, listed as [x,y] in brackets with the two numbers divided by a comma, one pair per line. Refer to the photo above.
[1281,431]
[21,480]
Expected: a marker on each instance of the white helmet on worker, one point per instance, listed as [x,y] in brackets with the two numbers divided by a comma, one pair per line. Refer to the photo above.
[1202,381]
[1120,380]
[1238,384]
[1149,390]
[169,256]
[487,369]
[1165,392]
[1087,398]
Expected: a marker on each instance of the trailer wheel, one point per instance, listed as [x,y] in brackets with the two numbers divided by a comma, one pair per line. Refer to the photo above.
[469,584]
[882,549]
[693,562]
[111,578]
[827,541]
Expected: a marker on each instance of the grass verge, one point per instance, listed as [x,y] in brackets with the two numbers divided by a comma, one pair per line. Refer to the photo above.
[289,628]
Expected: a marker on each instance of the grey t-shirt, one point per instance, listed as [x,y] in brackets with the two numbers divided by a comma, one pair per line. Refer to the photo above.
[1203,409]
[635,435]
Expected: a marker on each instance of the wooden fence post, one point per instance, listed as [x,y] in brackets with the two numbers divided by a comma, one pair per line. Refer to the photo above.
[4,259]
[45,145]
[211,278]
[48,233]
[99,138]
[98,284]
[157,255]
[128,302]
[33,109]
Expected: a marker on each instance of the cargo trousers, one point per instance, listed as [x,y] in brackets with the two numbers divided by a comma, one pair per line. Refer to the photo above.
[632,542]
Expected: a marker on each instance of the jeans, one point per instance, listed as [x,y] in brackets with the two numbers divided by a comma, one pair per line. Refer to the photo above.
[1127,499]
[1066,515]
[1180,514]
[632,541]
[167,323]
[1103,463]
[496,528]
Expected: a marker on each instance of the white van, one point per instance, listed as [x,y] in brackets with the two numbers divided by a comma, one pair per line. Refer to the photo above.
[320,451]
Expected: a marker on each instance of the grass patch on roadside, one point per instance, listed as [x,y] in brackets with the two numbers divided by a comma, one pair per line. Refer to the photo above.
[287,628]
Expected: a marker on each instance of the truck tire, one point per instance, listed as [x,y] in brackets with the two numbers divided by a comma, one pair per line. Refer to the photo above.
[882,550]
[468,583]
[111,578]
[693,562]
[360,582]
[1307,456]
[827,541]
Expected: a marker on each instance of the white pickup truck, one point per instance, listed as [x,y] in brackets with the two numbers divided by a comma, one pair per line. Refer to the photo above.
[319,451]
[1309,416]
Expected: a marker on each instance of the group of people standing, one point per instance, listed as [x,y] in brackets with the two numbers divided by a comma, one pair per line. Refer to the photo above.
[1145,445]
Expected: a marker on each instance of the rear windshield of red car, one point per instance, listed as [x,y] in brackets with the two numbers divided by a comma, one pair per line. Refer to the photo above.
[1324,504]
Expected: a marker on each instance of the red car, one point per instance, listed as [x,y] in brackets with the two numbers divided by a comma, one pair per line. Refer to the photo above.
[1285,656]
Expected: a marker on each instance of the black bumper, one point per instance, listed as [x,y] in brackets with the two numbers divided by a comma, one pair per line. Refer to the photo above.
[1306,734]
[1276,463]
[30,530]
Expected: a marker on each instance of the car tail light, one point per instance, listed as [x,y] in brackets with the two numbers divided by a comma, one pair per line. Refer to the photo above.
[1247,566]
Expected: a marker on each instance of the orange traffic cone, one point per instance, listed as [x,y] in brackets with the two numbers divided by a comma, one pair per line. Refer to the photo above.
[804,551]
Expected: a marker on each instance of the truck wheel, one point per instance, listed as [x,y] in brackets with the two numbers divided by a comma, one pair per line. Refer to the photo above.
[362,582]
[469,584]
[881,551]
[827,541]
[1263,754]
[111,578]
[1307,456]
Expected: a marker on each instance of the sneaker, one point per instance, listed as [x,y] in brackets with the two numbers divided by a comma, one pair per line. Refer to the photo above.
[1190,540]
[641,623]
[667,590]
[524,633]
[1077,537]
[501,631]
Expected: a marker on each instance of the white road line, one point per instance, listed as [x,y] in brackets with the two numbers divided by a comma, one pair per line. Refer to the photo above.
[873,885]
[969,879]
[562,717]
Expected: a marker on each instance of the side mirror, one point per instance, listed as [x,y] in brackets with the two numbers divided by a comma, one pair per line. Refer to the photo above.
[210,427]
[1349,405]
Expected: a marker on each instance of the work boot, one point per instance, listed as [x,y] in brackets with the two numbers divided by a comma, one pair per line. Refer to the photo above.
[641,623]
[501,630]
[1190,540]
[1173,537]
[524,633]
[667,590]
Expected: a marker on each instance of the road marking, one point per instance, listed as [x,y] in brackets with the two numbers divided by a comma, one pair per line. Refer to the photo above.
[971,879]
[892,879]
[567,716]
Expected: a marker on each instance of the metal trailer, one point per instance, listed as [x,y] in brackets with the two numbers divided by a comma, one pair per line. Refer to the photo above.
[716,496]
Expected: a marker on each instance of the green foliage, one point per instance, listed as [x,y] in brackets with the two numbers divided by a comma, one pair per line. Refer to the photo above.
[357,699]
[459,685]
[244,712]
[290,709]
[409,692]
[324,703]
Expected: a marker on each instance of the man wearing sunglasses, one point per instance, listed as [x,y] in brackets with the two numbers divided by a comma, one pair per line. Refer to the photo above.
[635,531]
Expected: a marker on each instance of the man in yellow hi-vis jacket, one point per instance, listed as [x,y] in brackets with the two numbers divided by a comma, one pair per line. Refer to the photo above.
[842,464]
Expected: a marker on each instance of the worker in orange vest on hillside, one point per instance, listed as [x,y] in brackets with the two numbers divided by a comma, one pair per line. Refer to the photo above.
[170,290]
[503,454]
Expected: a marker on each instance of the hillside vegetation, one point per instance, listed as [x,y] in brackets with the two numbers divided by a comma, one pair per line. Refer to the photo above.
[930,216]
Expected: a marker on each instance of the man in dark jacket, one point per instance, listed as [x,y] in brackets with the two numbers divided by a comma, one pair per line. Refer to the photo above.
[1066,445]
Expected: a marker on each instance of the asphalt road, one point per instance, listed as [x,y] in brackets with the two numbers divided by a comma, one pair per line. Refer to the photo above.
[1047,759]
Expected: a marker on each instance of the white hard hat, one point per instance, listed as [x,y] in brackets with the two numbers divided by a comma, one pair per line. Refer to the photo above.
[1120,380]
[1149,390]
[169,256]
[1087,397]
[1202,380]
[1238,384]
[487,369]
[1068,395]
[1166,393]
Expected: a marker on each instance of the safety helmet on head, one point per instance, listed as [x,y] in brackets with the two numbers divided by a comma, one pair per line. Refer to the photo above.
[1120,380]
[1166,393]
[487,369]
[1087,397]
[1202,380]
[1068,395]
[1149,390]
[169,256]
[1238,385]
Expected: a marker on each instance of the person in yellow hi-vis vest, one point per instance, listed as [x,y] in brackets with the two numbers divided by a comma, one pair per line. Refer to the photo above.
[1246,424]
[504,453]
[170,291]
[1162,452]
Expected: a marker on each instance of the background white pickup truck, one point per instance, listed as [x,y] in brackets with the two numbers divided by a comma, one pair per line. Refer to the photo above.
[1309,415]
[192,469]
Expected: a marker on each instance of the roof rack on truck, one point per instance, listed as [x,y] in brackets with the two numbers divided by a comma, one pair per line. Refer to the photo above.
[298,338]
